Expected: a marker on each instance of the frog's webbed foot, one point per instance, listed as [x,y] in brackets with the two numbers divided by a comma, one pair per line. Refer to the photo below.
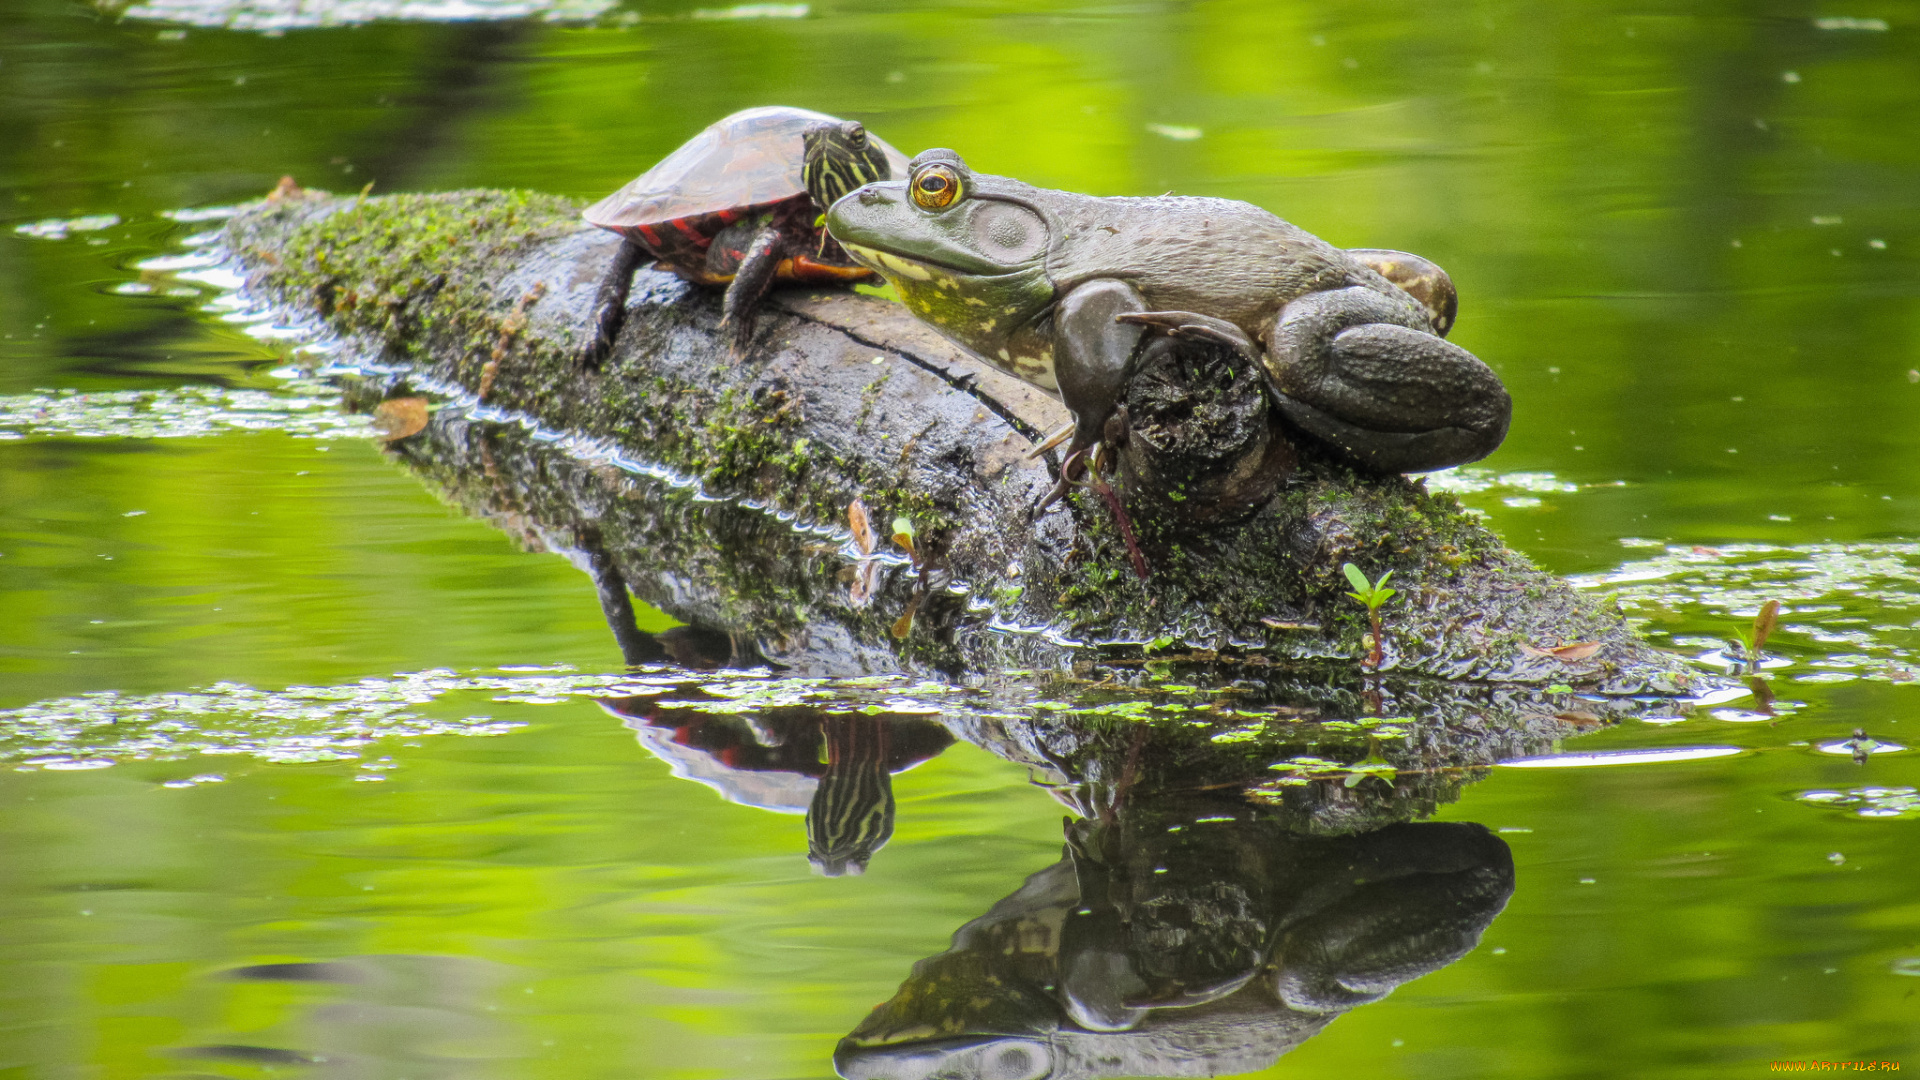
[610,305]
[1393,451]
[1347,366]
[1187,324]
[1072,465]
[1093,466]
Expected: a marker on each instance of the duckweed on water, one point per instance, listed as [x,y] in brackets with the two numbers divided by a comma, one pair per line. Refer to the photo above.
[59,229]
[309,410]
[277,16]
[333,723]
[1471,481]
[1862,597]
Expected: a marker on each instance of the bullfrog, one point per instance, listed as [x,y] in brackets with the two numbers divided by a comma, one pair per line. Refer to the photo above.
[1061,289]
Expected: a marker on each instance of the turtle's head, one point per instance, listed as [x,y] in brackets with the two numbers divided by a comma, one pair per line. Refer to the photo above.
[839,157]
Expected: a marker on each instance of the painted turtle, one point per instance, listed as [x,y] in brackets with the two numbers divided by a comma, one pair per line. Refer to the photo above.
[739,205]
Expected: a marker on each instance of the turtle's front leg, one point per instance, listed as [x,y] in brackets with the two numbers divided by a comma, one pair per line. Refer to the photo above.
[1346,366]
[750,282]
[610,304]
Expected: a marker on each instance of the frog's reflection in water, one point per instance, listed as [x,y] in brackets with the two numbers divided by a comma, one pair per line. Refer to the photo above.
[1184,936]
[1186,931]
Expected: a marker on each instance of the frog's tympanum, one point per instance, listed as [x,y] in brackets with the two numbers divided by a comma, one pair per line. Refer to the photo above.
[1060,289]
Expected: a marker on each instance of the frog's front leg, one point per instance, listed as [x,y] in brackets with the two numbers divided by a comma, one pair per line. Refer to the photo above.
[1093,356]
[1345,366]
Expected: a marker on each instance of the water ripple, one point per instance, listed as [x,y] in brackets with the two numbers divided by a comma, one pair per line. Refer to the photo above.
[274,16]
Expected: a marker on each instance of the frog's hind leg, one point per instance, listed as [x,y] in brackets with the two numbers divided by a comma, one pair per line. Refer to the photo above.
[1344,366]
[610,304]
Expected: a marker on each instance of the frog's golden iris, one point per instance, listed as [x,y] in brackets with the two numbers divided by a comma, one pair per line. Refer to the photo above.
[935,186]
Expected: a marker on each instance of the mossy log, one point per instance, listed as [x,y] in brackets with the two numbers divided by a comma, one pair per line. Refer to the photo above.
[484,297]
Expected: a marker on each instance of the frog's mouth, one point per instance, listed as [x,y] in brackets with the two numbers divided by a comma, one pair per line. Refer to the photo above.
[888,263]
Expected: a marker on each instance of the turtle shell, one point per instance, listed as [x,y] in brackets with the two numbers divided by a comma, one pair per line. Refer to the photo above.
[746,162]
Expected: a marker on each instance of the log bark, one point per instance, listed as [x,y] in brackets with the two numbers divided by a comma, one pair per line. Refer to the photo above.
[483,298]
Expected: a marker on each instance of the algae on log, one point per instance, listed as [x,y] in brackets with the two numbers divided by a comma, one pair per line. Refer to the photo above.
[485,295]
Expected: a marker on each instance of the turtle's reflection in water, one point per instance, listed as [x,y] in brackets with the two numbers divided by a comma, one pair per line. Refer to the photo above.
[1191,935]
[837,768]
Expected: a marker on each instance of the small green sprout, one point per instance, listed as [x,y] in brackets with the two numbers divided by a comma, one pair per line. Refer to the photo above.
[903,536]
[1372,594]
[1374,765]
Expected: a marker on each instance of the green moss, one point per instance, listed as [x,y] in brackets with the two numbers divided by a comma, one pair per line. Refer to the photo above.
[369,267]
[1284,565]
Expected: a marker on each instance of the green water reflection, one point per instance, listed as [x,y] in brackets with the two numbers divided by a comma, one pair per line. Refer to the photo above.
[1685,238]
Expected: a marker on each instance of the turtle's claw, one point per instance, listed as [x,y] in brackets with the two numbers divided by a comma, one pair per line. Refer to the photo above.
[739,335]
[589,358]
[595,353]
[610,305]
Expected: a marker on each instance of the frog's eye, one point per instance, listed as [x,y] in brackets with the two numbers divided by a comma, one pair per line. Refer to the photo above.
[935,186]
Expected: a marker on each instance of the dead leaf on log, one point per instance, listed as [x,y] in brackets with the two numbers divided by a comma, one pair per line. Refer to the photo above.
[1580,719]
[1571,654]
[904,625]
[862,527]
[397,418]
